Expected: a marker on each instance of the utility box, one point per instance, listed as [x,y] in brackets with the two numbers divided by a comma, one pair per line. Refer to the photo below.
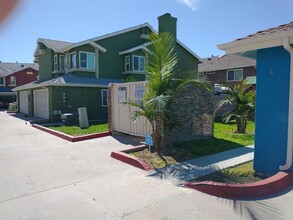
[69,119]
[83,119]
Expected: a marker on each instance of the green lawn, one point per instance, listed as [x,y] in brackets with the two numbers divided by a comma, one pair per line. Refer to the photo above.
[75,130]
[224,139]
[242,173]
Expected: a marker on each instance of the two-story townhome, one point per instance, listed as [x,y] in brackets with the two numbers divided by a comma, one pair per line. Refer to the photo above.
[228,68]
[74,75]
[13,75]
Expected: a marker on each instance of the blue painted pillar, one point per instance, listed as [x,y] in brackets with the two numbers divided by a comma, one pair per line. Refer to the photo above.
[272,101]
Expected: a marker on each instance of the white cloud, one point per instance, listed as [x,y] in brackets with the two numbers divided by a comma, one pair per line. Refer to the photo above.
[192,4]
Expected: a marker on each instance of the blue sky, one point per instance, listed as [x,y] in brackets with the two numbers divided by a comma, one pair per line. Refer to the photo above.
[201,25]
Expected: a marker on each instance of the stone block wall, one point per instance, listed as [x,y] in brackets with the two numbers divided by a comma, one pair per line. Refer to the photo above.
[193,108]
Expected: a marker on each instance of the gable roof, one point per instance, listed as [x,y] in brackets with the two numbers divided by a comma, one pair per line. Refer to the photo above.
[62,46]
[70,80]
[225,62]
[10,68]
[271,37]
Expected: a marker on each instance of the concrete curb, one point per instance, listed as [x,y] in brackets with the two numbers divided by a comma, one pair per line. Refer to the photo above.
[266,187]
[69,137]
[129,159]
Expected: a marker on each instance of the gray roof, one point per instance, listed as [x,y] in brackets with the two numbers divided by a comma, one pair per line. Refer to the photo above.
[56,45]
[70,79]
[264,33]
[225,62]
[9,68]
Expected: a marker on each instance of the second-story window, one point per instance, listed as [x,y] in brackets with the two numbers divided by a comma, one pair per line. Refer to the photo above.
[62,62]
[13,80]
[234,75]
[73,60]
[55,63]
[86,60]
[138,63]
[127,63]
[2,82]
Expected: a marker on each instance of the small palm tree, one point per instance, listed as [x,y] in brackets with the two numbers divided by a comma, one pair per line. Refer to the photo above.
[244,98]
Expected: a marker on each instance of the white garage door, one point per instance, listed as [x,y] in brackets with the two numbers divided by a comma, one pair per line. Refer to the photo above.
[41,103]
[23,102]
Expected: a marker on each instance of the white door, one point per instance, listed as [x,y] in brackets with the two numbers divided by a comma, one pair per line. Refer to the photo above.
[41,103]
[23,102]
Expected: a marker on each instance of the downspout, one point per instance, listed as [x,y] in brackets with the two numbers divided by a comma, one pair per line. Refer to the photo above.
[288,164]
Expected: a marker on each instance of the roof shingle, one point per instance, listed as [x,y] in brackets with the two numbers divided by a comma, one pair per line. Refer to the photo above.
[225,62]
[9,68]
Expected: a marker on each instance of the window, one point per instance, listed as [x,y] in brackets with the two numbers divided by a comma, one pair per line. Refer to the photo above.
[62,62]
[138,63]
[13,80]
[73,60]
[234,75]
[127,63]
[104,97]
[87,60]
[29,73]
[2,81]
[55,63]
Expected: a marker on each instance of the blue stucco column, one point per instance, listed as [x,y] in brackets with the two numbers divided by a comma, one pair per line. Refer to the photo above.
[271,116]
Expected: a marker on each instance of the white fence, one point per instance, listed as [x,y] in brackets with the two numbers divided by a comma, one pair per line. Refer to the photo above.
[121,113]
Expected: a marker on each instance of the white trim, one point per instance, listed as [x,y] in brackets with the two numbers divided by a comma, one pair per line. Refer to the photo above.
[227,80]
[55,63]
[138,63]
[3,80]
[62,55]
[140,47]
[90,42]
[87,64]
[74,67]
[12,84]
[128,56]
[257,42]
[104,90]
[289,156]
[123,31]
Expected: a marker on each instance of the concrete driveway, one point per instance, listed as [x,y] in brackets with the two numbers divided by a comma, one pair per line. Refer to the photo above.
[45,177]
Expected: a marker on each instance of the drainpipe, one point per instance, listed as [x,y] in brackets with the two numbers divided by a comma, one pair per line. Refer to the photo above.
[288,164]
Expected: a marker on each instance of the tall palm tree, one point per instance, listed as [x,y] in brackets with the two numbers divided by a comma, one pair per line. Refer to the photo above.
[163,82]
[244,98]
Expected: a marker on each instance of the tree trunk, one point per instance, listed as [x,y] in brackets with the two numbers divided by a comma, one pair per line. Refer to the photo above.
[158,134]
[241,125]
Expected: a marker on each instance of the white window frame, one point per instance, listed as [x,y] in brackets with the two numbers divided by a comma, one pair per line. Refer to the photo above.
[234,80]
[72,66]
[55,62]
[87,63]
[60,58]
[12,80]
[139,67]
[127,64]
[3,81]
[102,95]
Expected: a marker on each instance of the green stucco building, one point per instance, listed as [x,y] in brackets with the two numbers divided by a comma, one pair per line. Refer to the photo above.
[74,75]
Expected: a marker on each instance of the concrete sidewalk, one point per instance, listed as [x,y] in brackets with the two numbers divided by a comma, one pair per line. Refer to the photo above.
[191,169]
[45,177]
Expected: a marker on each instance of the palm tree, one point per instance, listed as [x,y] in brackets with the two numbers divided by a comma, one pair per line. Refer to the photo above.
[163,82]
[244,98]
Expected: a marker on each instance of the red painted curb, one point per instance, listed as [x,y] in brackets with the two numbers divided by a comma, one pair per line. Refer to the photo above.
[129,159]
[266,187]
[69,137]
